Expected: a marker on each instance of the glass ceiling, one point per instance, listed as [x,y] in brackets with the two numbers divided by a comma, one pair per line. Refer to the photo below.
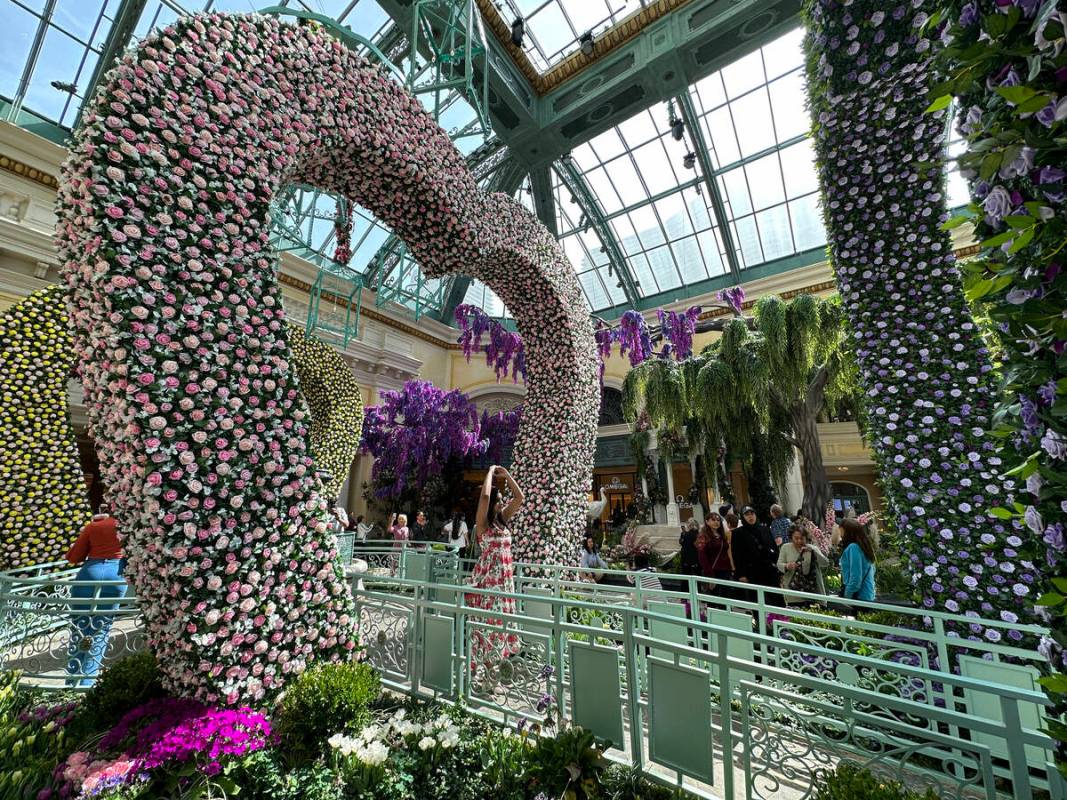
[656,210]
[553,27]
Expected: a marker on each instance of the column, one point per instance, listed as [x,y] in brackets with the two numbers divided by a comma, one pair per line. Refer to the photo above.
[673,517]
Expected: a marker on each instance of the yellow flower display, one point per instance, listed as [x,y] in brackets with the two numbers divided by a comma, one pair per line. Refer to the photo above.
[332,394]
[43,499]
[43,502]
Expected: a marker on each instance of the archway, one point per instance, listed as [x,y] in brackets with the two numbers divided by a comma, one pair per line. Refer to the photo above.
[178,324]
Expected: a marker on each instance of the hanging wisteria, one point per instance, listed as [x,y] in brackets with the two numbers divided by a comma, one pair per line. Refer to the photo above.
[734,297]
[678,329]
[503,349]
[923,368]
[414,432]
[500,430]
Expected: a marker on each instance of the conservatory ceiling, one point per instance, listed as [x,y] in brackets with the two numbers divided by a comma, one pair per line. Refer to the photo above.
[583,139]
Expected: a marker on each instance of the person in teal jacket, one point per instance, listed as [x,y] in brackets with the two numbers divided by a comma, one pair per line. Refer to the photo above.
[857,562]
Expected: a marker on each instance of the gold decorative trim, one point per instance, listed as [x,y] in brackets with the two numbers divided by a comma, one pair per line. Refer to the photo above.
[577,62]
[9,164]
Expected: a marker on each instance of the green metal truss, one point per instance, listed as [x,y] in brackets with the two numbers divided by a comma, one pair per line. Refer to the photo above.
[696,135]
[617,265]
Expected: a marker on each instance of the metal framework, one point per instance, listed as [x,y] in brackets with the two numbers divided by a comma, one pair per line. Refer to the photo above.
[440,49]
[692,124]
[594,216]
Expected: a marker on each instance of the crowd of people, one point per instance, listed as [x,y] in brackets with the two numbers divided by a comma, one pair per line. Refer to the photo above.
[726,550]
[781,555]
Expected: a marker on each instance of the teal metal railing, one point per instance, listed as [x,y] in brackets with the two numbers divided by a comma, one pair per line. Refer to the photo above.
[730,698]
[716,706]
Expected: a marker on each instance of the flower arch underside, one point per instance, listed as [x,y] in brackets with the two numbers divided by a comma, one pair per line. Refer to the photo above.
[177,315]
[44,493]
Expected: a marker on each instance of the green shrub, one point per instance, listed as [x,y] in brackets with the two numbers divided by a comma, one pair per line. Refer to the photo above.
[627,783]
[849,782]
[568,763]
[126,684]
[324,700]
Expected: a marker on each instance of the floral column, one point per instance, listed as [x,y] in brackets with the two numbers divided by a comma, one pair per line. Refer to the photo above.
[924,369]
[1006,62]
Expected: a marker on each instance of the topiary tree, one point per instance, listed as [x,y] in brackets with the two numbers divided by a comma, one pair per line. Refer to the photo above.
[925,373]
[758,390]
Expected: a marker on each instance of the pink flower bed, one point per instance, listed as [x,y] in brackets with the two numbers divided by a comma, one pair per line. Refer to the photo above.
[179,329]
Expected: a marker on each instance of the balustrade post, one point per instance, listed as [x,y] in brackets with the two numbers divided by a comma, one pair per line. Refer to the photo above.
[1013,735]
[726,720]
[633,688]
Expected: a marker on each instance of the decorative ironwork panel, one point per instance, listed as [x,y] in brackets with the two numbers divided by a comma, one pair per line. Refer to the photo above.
[885,680]
[384,630]
[790,741]
[511,684]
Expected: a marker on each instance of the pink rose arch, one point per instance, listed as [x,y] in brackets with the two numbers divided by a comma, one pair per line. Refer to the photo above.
[180,332]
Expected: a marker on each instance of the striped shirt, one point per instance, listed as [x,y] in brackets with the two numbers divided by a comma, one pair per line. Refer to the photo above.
[648,580]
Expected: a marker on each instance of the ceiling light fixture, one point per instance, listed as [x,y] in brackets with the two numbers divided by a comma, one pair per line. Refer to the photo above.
[518,31]
[689,161]
[586,42]
[677,123]
[63,86]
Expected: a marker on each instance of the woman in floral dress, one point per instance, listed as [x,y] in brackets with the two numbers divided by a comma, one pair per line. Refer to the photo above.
[494,571]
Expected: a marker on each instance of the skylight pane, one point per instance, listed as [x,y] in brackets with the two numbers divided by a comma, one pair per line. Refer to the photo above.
[719,127]
[642,271]
[798,169]
[627,182]
[710,92]
[675,216]
[765,182]
[752,119]
[743,75]
[788,101]
[16,37]
[626,235]
[655,167]
[638,129]
[711,248]
[784,54]
[736,192]
[774,233]
[604,188]
[747,238]
[552,30]
[808,230]
[690,260]
[594,291]
[663,268]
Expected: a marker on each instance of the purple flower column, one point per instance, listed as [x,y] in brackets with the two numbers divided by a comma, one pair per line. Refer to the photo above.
[178,325]
[923,367]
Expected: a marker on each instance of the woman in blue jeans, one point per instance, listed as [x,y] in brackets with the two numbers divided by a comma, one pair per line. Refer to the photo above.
[99,552]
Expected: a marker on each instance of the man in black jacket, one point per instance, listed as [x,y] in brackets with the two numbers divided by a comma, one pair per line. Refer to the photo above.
[755,555]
